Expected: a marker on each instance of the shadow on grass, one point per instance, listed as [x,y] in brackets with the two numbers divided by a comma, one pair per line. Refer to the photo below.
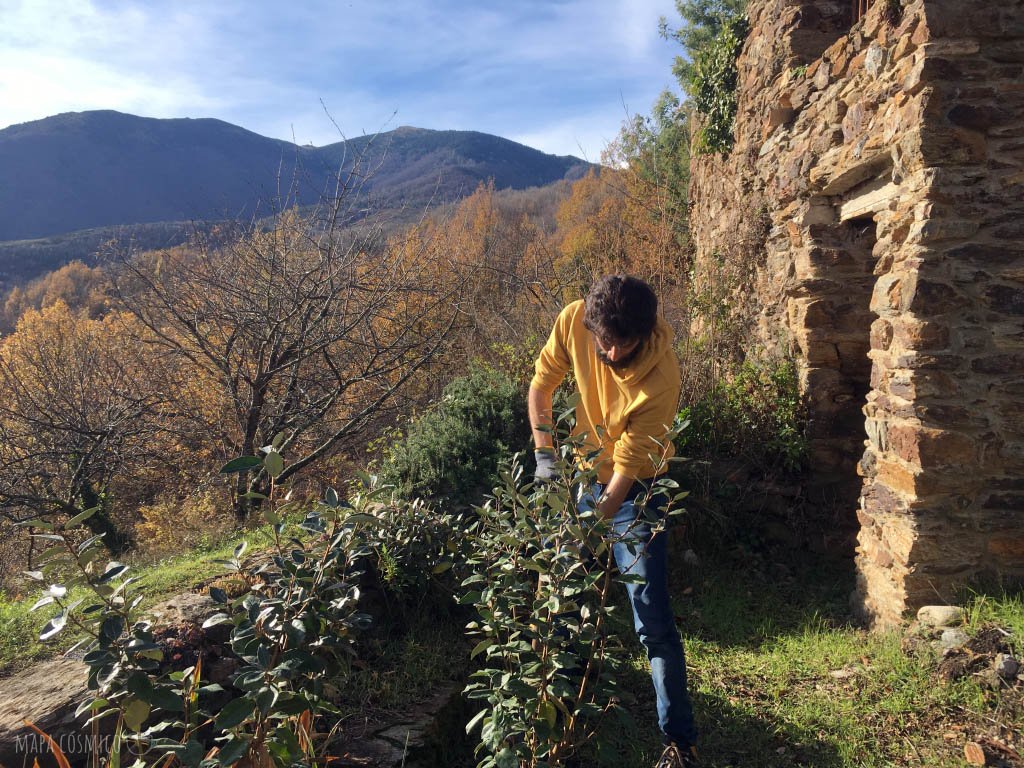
[731,737]
[748,593]
[738,599]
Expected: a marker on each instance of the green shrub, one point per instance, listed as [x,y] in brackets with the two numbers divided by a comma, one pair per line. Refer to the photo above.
[451,452]
[408,543]
[756,415]
[292,631]
[713,79]
[541,582]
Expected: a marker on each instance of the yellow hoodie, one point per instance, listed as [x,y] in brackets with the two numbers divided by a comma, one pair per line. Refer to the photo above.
[635,407]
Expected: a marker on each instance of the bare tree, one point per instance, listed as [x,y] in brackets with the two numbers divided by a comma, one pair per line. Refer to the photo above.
[294,331]
[75,411]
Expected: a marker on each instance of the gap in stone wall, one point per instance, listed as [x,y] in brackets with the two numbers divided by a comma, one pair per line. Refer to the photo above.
[839,375]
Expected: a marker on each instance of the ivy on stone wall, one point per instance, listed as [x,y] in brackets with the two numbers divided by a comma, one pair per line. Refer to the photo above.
[713,80]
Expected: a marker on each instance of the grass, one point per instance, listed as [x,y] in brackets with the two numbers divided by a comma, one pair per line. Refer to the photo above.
[781,677]
[407,660]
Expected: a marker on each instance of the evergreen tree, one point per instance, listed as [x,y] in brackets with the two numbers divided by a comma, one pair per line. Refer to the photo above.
[703,21]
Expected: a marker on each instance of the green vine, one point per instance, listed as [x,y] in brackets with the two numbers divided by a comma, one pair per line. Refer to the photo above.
[713,80]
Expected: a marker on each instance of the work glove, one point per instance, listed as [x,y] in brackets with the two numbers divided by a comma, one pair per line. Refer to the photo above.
[545,471]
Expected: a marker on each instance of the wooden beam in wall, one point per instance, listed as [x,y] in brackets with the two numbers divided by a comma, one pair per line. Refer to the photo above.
[868,198]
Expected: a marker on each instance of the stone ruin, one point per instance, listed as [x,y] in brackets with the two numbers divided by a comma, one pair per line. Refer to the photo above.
[884,157]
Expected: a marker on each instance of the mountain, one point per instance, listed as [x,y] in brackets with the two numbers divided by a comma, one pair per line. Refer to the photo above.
[88,170]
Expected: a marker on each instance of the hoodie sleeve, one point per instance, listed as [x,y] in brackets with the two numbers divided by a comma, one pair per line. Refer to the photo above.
[554,361]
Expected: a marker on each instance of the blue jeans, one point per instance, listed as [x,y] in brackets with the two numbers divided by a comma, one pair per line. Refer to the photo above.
[638,552]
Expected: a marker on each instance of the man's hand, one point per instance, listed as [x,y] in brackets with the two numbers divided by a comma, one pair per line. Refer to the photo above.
[545,471]
[614,494]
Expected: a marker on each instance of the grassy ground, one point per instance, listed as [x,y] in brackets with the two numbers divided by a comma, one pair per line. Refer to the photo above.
[406,664]
[781,677]
[159,579]
[779,673]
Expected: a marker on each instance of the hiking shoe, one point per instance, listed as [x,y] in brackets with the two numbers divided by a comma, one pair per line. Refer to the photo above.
[678,757]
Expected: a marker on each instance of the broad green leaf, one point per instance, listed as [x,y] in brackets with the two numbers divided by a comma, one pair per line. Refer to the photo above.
[90,705]
[217,618]
[271,516]
[81,517]
[139,685]
[190,753]
[480,647]
[166,699]
[135,714]
[41,602]
[296,631]
[242,464]
[265,699]
[506,758]
[548,713]
[53,627]
[37,522]
[360,517]
[233,750]
[111,628]
[476,720]
[113,570]
[273,463]
[234,713]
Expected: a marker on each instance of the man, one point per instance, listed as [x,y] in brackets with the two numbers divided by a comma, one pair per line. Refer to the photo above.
[628,377]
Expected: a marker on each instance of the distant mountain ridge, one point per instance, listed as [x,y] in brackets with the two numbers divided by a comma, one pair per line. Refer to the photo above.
[83,170]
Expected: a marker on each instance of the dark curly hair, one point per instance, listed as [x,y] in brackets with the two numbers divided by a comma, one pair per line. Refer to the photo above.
[622,308]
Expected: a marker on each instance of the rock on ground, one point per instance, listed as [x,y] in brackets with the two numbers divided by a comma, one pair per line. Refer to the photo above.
[46,694]
[940,615]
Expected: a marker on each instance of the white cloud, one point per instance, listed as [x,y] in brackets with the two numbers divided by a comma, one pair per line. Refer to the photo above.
[552,71]
[69,56]
[584,136]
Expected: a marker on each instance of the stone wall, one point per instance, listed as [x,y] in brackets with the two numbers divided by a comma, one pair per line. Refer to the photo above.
[888,160]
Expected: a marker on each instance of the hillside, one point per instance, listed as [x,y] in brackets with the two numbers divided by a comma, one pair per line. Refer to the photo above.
[85,170]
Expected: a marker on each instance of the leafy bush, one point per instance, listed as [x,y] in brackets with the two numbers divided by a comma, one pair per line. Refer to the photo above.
[291,632]
[713,80]
[408,542]
[757,415]
[542,574]
[452,451]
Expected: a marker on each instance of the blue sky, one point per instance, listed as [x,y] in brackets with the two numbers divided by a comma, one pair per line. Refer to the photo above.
[559,75]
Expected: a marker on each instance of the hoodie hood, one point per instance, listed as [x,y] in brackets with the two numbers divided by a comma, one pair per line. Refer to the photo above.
[654,349]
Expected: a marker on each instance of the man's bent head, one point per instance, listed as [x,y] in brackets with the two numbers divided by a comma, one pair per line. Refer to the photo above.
[621,311]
